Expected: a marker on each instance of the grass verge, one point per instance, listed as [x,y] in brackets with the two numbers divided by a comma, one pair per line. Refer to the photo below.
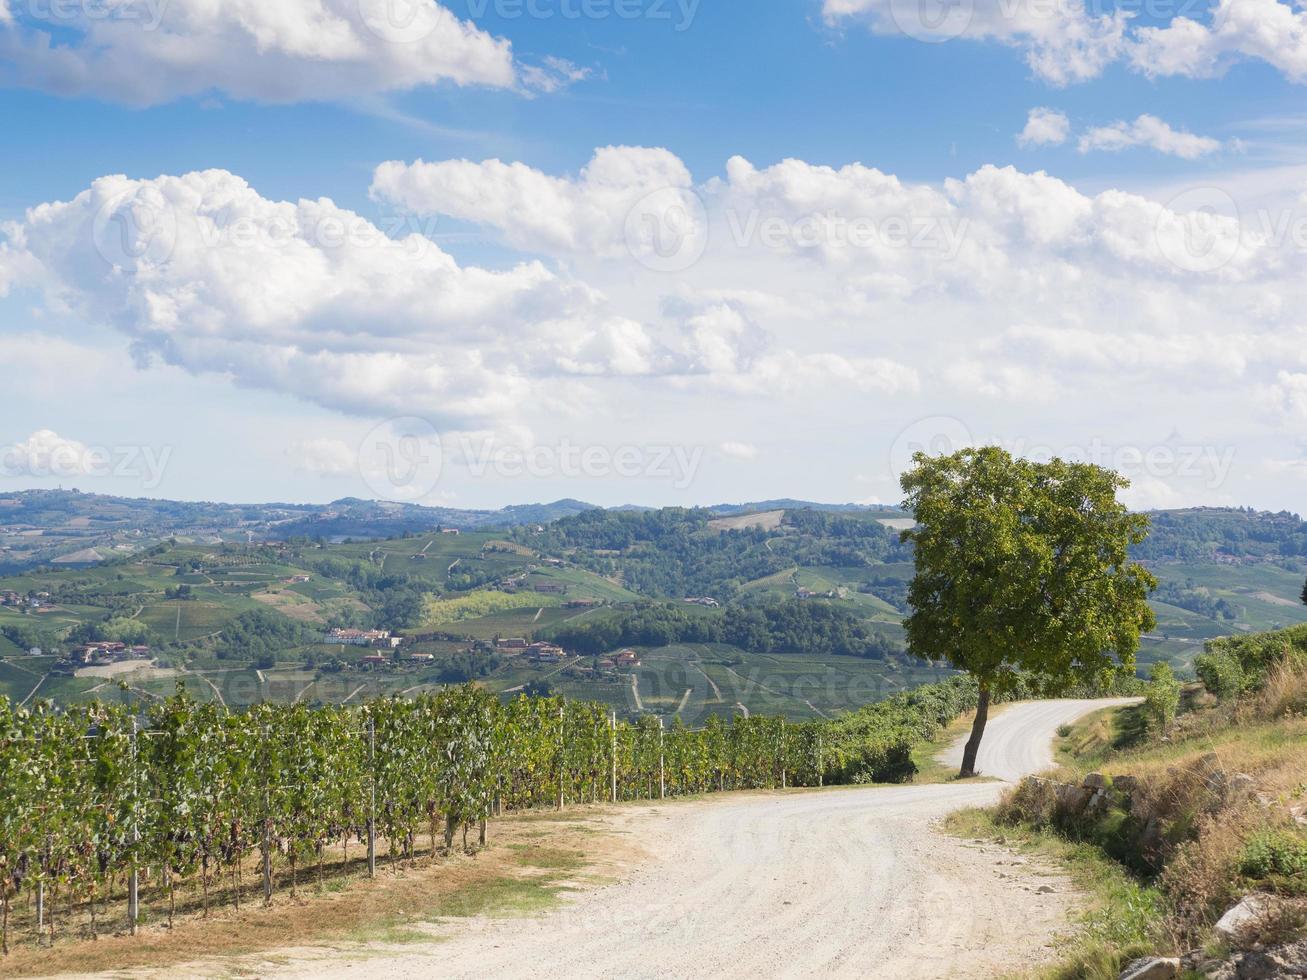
[1122,918]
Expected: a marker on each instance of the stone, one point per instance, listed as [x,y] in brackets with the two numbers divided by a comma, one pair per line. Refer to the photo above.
[1152,968]
[1239,787]
[1095,780]
[1125,784]
[1044,890]
[1242,919]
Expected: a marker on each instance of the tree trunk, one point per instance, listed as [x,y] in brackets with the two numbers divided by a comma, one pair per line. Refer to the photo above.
[977,731]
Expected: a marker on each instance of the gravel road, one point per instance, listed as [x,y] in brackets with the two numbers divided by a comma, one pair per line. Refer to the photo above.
[846,882]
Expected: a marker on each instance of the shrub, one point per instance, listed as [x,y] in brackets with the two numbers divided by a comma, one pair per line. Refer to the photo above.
[1220,672]
[1162,700]
[1277,856]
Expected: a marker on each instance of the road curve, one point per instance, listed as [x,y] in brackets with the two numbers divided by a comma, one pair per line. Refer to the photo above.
[846,882]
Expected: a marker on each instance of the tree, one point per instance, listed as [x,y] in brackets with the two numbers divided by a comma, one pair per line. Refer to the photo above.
[1303,596]
[1022,569]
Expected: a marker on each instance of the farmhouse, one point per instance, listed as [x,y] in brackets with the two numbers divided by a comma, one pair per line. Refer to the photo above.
[511,643]
[373,661]
[626,658]
[546,653]
[364,638]
[702,600]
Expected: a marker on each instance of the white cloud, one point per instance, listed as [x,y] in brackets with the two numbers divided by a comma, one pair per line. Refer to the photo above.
[45,453]
[1264,30]
[1061,41]
[537,212]
[303,297]
[1151,132]
[1064,43]
[1044,127]
[553,75]
[324,457]
[156,51]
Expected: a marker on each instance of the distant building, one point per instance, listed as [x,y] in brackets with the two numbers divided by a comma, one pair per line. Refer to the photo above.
[626,658]
[583,603]
[364,638]
[546,653]
[414,657]
[702,600]
[511,643]
[373,661]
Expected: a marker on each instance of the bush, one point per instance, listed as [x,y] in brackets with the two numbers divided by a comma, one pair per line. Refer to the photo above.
[1220,672]
[1162,700]
[1277,856]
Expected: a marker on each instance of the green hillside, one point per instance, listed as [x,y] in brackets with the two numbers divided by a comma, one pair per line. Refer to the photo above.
[803,619]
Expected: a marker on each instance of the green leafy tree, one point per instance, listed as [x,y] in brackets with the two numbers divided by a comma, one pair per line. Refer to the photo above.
[1022,569]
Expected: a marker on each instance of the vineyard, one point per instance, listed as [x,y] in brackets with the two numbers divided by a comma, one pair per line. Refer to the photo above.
[187,794]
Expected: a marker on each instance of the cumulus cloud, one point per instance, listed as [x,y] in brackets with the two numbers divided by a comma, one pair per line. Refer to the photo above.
[1264,30]
[305,298]
[1065,43]
[1151,132]
[1044,127]
[45,453]
[537,212]
[154,51]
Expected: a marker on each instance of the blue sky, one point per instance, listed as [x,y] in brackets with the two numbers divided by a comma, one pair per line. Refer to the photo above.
[1057,322]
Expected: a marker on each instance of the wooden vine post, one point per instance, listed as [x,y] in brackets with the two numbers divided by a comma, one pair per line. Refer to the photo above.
[562,753]
[612,735]
[781,747]
[372,796]
[821,762]
[267,822]
[133,874]
[662,764]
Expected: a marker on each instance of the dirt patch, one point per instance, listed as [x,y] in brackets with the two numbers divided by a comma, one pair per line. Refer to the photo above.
[1273,599]
[146,669]
[530,859]
[766,521]
[292,605]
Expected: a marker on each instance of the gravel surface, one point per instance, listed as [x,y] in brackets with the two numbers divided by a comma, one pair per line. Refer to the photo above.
[846,882]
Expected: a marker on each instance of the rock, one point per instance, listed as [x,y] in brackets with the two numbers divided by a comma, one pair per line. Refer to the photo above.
[1044,890]
[1152,968]
[1243,918]
[1095,780]
[1239,787]
[1125,784]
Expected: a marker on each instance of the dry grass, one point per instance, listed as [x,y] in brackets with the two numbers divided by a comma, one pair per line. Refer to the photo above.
[530,860]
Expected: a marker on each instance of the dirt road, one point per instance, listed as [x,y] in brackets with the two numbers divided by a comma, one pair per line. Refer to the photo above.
[846,882]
